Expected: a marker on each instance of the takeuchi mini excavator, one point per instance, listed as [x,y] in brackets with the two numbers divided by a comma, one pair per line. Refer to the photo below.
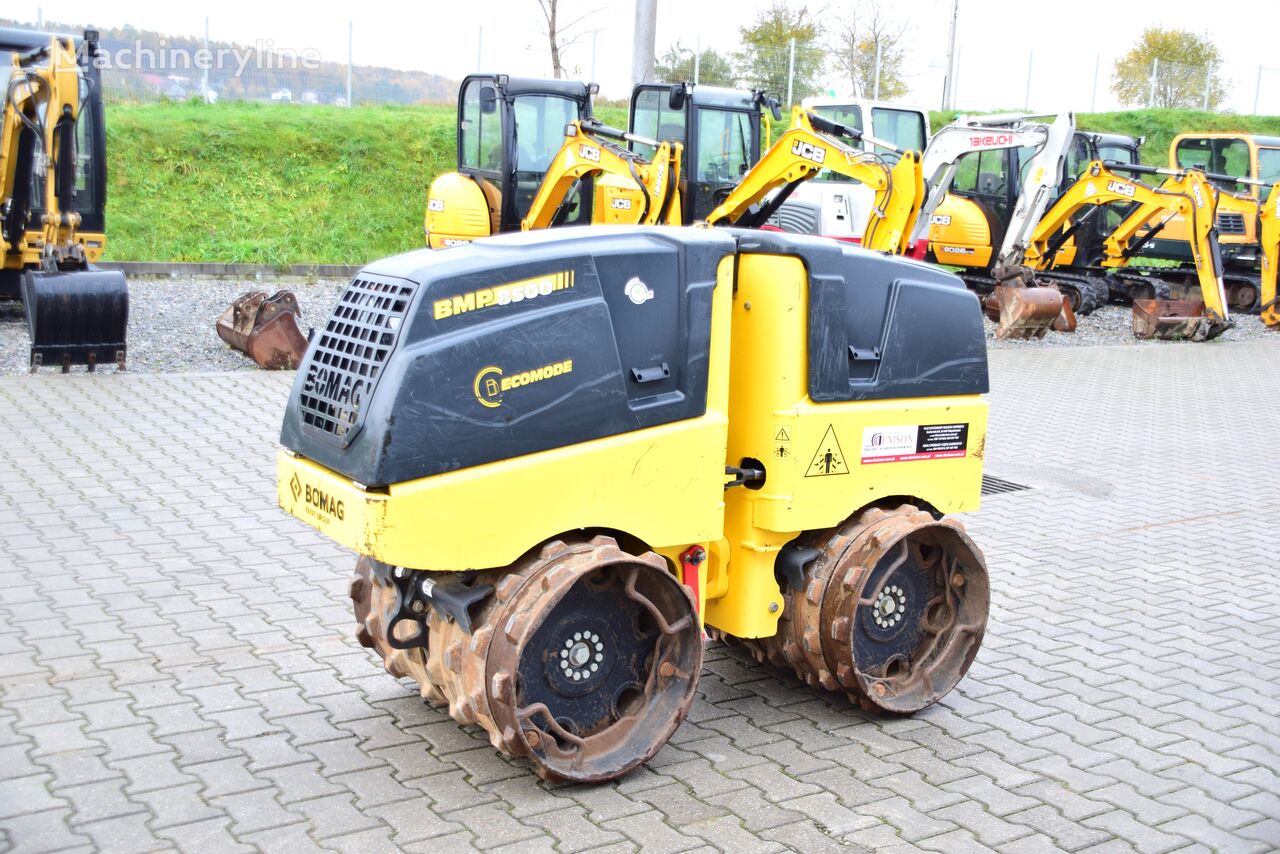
[760,434]
[52,198]
[1186,193]
[989,245]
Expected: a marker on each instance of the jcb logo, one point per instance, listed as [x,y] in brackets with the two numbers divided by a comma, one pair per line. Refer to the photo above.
[1121,188]
[1199,194]
[939,219]
[620,204]
[809,151]
[589,152]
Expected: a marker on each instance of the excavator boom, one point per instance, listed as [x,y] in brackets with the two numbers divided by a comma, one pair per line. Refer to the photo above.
[813,143]
[1269,233]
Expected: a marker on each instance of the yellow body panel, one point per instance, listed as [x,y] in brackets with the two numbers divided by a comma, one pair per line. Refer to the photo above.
[773,420]
[1270,218]
[959,234]
[663,484]
[457,211]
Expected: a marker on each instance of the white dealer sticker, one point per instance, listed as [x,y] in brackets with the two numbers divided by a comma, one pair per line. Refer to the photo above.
[909,442]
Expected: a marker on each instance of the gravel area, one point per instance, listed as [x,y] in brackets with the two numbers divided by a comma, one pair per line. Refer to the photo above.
[171,325]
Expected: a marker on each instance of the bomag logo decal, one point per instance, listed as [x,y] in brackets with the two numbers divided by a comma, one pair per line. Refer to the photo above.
[589,152]
[501,295]
[491,382]
[1122,188]
[335,386]
[319,503]
[809,151]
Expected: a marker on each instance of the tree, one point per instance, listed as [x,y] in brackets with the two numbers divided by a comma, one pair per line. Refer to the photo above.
[858,37]
[763,61]
[676,65]
[1183,63]
[560,35]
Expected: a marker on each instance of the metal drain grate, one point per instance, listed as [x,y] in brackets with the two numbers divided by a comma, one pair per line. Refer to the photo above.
[996,486]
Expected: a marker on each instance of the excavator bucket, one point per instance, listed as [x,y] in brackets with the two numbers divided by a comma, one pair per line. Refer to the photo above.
[1023,312]
[1176,320]
[265,328]
[76,317]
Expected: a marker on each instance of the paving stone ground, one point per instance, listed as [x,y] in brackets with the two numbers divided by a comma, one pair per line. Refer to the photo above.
[178,668]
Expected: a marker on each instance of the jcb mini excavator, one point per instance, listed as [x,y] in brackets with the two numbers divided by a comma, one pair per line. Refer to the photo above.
[631,190]
[1186,193]
[509,129]
[52,199]
[1243,167]
[814,144]
[674,428]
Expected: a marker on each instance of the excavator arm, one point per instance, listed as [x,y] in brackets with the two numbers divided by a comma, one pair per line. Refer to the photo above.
[591,149]
[1269,234]
[813,143]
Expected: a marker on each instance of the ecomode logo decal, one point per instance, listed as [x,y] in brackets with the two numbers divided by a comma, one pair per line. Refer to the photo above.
[492,382]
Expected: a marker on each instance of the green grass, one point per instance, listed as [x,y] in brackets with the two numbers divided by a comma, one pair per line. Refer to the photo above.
[283,184]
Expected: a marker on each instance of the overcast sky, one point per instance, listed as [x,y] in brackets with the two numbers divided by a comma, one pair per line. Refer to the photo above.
[997,39]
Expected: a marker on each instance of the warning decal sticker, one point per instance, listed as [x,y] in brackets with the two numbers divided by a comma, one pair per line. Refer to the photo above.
[828,459]
[781,442]
[910,442]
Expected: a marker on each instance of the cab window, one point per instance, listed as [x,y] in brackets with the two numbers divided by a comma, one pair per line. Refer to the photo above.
[904,128]
[982,173]
[724,142]
[83,199]
[1269,165]
[652,116]
[1222,156]
[849,116]
[1117,153]
[540,123]
[480,131]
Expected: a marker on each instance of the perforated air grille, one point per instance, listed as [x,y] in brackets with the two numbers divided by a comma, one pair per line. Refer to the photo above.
[1231,223]
[351,353]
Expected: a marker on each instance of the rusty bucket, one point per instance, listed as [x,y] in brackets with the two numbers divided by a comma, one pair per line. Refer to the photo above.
[265,328]
[1029,312]
[1176,320]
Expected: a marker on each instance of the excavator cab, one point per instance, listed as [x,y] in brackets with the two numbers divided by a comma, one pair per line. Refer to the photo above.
[53,194]
[720,131]
[509,130]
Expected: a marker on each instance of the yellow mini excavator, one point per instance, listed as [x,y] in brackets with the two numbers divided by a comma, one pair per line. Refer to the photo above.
[509,129]
[1186,193]
[52,198]
[811,144]
[628,189]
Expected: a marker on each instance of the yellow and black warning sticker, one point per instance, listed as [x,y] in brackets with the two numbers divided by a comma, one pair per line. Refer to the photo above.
[491,382]
[502,295]
[910,442]
[828,459]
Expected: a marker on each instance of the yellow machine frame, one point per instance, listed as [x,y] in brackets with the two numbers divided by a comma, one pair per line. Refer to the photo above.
[1269,228]
[802,151]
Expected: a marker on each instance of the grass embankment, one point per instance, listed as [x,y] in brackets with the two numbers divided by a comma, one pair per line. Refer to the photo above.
[282,184]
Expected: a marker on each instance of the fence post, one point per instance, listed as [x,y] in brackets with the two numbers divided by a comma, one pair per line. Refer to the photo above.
[1208,82]
[1026,101]
[480,48]
[697,58]
[877,95]
[1093,95]
[1155,72]
[351,29]
[791,72]
[1257,91]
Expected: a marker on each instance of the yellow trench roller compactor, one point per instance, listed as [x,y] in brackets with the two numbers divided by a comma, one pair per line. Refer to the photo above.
[561,454]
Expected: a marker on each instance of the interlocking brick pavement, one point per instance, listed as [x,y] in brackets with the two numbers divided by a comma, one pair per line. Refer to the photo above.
[178,667]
